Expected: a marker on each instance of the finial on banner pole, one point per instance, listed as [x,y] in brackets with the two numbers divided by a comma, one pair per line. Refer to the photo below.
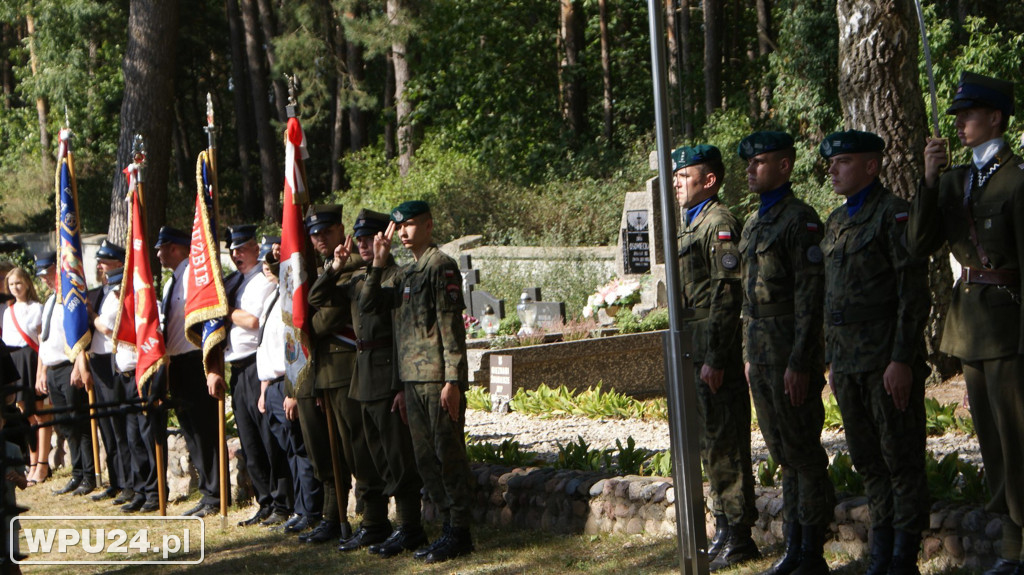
[293,88]
[139,156]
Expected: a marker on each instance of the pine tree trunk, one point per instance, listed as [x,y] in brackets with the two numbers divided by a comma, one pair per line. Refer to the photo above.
[147,109]
[712,56]
[243,118]
[686,67]
[397,15]
[879,92]
[390,126]
[270,168]
[573,78]
[336,41]
[42,106]
[269,24]
[765,46]
[606,74]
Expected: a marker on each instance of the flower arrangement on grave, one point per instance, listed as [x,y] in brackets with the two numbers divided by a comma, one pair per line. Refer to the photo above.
[617,293]
[473,327]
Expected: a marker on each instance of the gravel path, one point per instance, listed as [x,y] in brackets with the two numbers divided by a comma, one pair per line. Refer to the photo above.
[543,434]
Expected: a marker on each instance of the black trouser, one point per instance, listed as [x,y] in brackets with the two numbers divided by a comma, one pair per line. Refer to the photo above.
[112,423]
[146,429]
[74,423]
[309,495]
[261,452]
[198,414]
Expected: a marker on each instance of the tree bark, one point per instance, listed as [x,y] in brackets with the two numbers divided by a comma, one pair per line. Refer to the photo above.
[270,170]
[336,41]
[686,67]
[397,16]
[573,78]
[42,106]
[243,111]
[765,46]
[712,56]
[147,109]
[606,73]
[269,24]
[390,125]
[879,92]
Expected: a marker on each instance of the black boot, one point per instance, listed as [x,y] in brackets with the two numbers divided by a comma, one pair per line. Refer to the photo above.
[881,551]
[721,536]
[739,547]
[812,547]
[446,533]
[790,560]
[904,557]
[459,543]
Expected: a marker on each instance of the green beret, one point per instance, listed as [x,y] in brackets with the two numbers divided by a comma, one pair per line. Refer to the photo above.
[762,142]
[408,210]
[850,142]
[686,156]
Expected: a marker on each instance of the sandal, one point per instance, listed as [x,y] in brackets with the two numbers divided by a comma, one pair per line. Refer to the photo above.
[49,474]
[31,473]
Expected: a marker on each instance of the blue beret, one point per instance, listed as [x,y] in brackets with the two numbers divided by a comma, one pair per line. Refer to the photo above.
[975,90]
[240,235]
[369,222]
[408,210]
[763,142]
[850,142]
[169,235]
[686,156]
[110,251]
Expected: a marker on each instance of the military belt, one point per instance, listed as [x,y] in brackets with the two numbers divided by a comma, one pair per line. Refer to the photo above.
[1002,277]
[699,313]
[244,362]
[761,311]
[862,314]
[366,345]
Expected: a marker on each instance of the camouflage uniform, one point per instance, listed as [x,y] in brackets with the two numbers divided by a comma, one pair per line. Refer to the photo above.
[876,305]
[710,268]
[782,307]
[985,320]
[431,346]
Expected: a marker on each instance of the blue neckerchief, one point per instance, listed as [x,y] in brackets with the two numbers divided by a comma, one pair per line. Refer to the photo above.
[855,202]
[695,210]
[769,199]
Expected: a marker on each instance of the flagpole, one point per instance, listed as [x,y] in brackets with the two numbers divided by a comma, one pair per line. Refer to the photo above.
[93,424]
[222,431]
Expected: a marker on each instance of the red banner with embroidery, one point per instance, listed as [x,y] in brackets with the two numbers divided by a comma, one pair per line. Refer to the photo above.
[295,259]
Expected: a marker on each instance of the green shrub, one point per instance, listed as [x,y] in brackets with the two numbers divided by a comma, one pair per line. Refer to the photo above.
[508,452]
[478,397]
[768,472]
[844,478]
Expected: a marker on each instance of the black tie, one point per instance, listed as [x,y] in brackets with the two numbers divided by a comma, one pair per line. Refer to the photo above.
[168,297]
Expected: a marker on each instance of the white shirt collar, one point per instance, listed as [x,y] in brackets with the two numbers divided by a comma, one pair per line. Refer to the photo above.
[984,152]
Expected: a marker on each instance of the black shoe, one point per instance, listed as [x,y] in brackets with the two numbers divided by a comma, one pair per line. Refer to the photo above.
[366,536]
[84,488]
[445,534]
[299,525]
[194,510]
[458,543]
[208,510]
[1006,567]
[405,538]
[721,536]
[105,494]
[261,514]
[326,531]
[70,486]
[125,496]
[881,551]
[135,504]
[275,518]
[150,505]
[738,548]
[791,558]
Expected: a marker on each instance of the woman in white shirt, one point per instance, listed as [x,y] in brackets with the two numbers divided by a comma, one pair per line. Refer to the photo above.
[22,321]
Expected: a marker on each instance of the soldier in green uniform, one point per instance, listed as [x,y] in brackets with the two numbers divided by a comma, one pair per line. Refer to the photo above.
[710,268]
[876,306]
[783,288]
[430,338]
[379,391]
[334,362]
[978,211]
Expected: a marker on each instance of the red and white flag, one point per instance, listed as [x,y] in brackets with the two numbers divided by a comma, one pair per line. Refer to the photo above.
[138,320]
[295,277]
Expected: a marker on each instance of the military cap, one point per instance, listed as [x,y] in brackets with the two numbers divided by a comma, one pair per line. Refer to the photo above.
[322,216]
[115,276]
[850,142]
[267,246]
[110,251]
[762,142]
[409,209]
[685,156]
[43,261]
[369,222]
[169,235]
[975,90]
[240,235]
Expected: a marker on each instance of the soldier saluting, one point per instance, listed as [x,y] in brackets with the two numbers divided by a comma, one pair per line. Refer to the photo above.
[978,209]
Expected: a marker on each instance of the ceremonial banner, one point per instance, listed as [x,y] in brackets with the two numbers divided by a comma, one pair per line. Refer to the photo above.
[206,304]
[294,273]
[71,283]
[138,319]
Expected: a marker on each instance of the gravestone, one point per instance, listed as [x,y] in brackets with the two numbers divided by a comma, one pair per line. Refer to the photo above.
[641,247]
[547,311]
[500,382]
[477,300]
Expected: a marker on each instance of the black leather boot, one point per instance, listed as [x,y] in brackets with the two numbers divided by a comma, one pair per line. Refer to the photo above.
[906,546]
[812,547]
[721,536]
[790,560]
[881,551]
[739,548]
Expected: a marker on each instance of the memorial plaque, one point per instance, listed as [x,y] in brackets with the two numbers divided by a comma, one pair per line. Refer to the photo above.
[636,247]
[550,312]
[501,382]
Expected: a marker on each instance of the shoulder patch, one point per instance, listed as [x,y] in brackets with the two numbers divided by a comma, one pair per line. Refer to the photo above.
[813,226]
[724,235]
[730,261]
[902,216]
[814,254]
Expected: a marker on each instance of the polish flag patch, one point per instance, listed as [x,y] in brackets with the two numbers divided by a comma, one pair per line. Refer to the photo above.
[812,226]
[724,236]
[902,217]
